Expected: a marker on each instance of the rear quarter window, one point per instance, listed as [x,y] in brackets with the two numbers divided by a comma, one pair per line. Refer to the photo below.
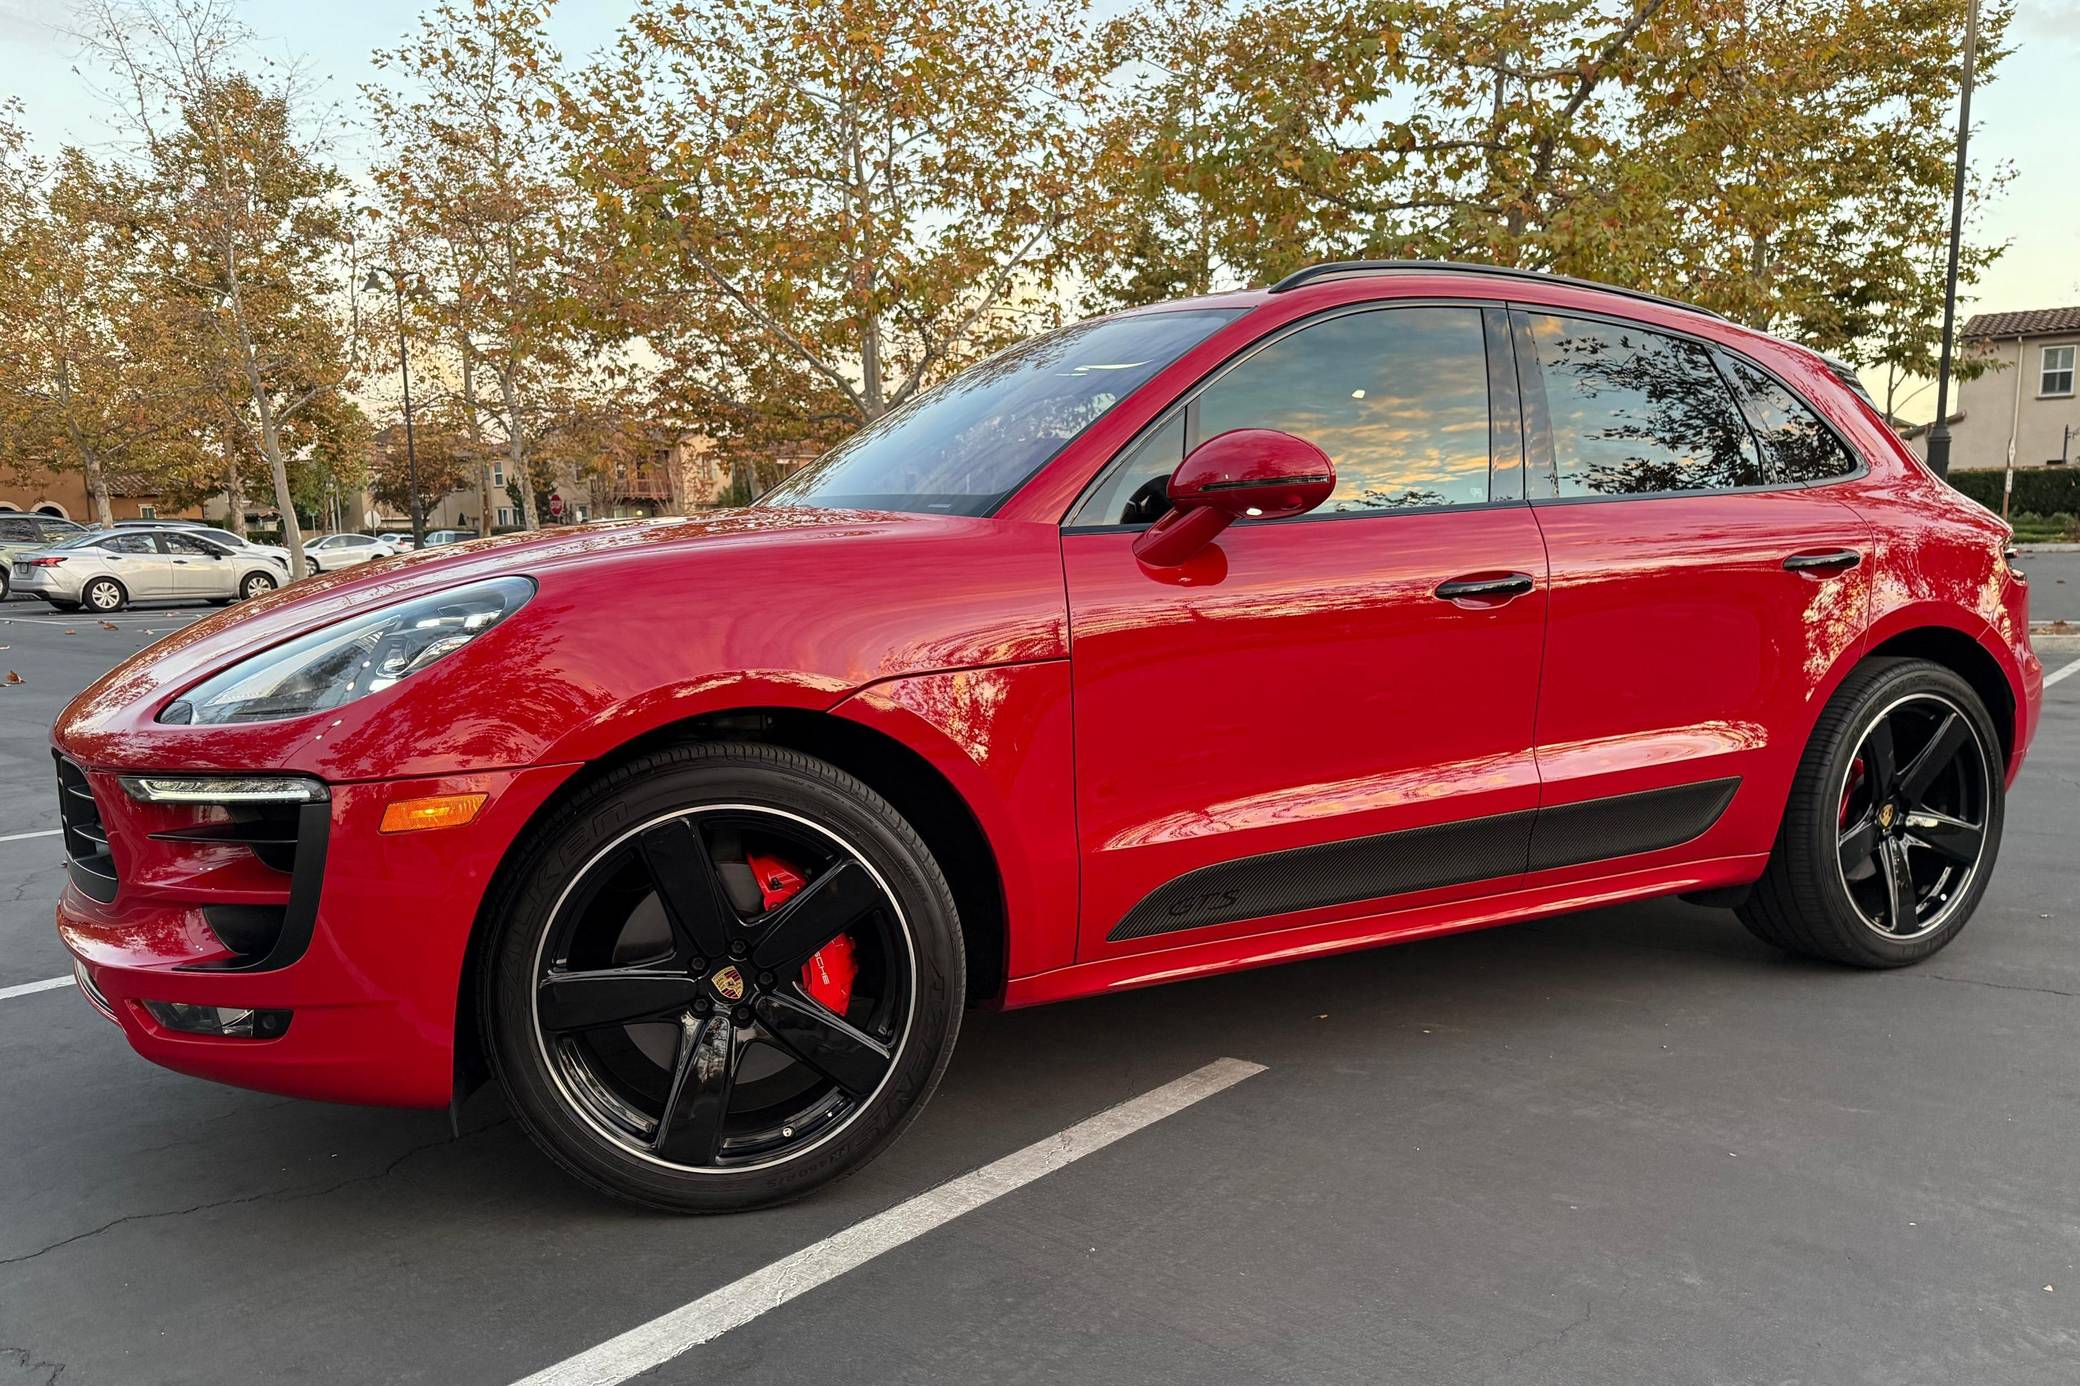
[1799,447]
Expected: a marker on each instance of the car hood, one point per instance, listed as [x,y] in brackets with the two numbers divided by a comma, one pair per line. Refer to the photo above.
[819,602]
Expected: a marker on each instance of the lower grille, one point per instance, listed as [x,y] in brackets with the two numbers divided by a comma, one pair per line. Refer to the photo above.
[87,856]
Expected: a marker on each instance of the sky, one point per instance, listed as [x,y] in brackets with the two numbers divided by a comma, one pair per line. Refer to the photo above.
[2018,119]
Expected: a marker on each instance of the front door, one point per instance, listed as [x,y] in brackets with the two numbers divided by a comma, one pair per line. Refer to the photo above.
[1309,723]
[201,571]
[1705,583]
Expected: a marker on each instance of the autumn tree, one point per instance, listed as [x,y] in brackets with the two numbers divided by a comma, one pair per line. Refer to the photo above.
[1785,161]
[246,217]
[475,183]
[812,211]
[94,374]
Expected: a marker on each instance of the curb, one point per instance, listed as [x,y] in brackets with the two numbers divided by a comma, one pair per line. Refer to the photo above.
[2027,549]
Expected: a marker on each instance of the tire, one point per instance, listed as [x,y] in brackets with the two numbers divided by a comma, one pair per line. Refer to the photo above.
[1823,895]
[6,579]
[255,585]
[594,1095]
[104,595]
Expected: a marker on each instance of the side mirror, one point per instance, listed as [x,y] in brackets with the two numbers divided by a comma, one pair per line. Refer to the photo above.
[1247,473]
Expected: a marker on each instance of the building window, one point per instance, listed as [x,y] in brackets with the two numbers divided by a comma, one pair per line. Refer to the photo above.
[505,516]
[147,512]
[2057,376]
[498,475]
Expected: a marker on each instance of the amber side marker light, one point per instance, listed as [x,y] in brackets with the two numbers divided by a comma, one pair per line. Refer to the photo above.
[440,811]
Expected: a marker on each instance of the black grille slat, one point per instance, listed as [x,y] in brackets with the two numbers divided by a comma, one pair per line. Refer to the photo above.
[89,861]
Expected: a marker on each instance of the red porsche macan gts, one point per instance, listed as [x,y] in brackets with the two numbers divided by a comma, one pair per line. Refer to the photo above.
[1393,600]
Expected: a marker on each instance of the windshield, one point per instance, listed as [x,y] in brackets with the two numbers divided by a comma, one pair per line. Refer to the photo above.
[964,446]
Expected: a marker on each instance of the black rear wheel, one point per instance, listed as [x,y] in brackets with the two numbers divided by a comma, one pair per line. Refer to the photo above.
[725,975]
[1894,821]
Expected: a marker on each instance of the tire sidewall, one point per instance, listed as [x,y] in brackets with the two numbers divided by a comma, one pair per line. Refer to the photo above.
[1878,693]
[96,584]
[251,587]
[548,859]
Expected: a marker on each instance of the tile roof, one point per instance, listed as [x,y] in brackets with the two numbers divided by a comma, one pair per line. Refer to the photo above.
[2031,322]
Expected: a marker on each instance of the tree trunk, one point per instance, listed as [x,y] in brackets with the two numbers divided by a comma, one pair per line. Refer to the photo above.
[516,452]
[97,487]
[234,495]
[476,437]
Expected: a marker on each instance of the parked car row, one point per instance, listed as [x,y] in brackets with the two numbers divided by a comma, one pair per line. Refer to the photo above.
[106,569]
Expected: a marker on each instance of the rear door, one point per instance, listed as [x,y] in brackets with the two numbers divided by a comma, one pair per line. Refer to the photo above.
[1304,721]
[1702,590]
[140,565]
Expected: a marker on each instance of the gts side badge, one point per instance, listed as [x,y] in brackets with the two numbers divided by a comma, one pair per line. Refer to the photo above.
[1210,903]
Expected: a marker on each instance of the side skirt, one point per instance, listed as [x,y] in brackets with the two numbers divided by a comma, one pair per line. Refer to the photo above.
[1414,859]
[1206,959]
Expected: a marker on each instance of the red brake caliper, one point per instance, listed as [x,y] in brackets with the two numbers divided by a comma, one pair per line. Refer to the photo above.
[829,973]
[1849,788]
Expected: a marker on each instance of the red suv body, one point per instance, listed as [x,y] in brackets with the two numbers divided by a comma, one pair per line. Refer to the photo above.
[1559,632]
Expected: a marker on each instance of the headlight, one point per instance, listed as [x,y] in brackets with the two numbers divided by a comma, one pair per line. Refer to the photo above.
[352,658]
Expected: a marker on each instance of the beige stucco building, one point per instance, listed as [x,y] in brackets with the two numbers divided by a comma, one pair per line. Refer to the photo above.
[2027,397]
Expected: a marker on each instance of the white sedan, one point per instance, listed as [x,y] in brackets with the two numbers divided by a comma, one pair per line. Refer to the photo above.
[107,570]
[344,551]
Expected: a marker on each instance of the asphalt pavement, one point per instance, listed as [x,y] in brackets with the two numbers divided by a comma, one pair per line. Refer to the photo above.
[1632,1145]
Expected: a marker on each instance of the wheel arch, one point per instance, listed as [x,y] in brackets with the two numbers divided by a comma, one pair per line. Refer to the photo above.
[121,586]
[1971,660]
[899,773]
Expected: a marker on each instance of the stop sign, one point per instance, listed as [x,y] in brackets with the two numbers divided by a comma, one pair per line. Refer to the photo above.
[555,504]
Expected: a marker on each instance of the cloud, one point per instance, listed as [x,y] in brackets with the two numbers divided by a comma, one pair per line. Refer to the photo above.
[2057,21]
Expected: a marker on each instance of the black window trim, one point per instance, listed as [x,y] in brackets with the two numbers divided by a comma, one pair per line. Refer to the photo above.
[1541,459]
[1187,400]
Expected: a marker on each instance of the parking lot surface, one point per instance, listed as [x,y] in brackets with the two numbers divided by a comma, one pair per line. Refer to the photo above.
[1632,1145]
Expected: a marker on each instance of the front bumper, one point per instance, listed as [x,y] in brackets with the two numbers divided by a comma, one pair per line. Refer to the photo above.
[373,994]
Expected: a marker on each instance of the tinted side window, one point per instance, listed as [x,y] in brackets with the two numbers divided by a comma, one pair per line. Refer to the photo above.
[1799,446]
[1398,398]
[1636,413]
[127,543]
[187,543]
[17,529]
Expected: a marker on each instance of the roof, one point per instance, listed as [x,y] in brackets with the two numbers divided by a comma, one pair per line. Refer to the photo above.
[2030,322]
[1338,269]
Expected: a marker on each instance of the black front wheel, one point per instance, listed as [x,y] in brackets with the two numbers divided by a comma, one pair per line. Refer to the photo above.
[723,976]
[255,585]
[1894,821]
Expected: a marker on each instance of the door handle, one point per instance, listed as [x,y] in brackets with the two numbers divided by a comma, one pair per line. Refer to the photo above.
[1492,589]
[1829,562]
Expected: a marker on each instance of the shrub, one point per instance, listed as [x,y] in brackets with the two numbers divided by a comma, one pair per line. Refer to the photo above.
[2038,490]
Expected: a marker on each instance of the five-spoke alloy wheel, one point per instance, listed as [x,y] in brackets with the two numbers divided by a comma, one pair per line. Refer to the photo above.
[1893,824]
[729,973]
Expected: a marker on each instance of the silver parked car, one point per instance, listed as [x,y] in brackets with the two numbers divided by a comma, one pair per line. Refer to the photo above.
[107,570]
[344,550]
[274,552]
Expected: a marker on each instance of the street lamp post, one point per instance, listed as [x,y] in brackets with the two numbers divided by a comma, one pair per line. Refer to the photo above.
[1939,431]
[404,368]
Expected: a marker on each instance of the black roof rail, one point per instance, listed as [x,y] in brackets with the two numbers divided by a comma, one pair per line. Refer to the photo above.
[1338,268]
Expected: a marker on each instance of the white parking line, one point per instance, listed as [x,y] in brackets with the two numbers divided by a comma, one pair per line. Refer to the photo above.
[31,988]
[2050,679]
[712,1315]
[24,837]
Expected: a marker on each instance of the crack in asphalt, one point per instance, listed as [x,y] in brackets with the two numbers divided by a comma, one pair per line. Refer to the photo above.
[31,1364]
[289,1194]
[1975,982]
[1546,1343]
